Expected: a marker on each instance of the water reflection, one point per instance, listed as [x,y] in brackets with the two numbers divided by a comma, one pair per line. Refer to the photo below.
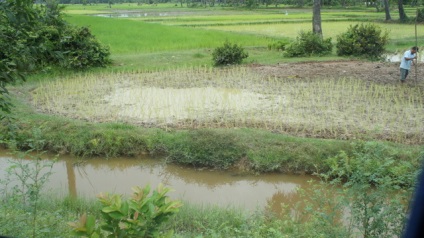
[90,177]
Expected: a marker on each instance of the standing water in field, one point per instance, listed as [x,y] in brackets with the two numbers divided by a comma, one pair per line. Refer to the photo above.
[88,178]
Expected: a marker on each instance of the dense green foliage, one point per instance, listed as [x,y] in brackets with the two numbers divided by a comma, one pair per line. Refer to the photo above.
[420,15]
[309,44]
[372,163]
[82,49]
[375,180]
[228,54]
[35,37]
[366,40]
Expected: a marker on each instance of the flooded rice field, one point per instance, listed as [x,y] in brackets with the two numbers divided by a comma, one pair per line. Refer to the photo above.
[300,99]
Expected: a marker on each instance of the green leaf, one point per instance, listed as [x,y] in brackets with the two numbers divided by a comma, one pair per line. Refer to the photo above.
[90,224]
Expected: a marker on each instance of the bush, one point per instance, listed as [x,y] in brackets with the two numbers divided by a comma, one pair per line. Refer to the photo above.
[139,216]
[372,163]
[82,49]
[307,44]
[362,40]
[228,54]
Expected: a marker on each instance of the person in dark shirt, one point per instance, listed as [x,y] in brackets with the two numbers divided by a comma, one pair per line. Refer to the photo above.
[415,223]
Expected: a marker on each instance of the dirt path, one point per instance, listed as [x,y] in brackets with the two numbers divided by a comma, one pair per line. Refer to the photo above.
[381,72]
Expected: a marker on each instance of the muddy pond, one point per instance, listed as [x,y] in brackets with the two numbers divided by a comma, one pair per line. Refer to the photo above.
[74,177]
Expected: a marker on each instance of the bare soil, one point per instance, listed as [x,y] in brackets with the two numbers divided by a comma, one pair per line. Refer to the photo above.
[379,72]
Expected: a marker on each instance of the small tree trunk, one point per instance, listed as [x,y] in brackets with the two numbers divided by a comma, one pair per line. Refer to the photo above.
[316,18]
[387,10]
[402,14]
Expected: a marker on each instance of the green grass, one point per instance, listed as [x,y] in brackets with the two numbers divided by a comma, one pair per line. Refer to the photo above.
[130,37]
[135,42]
[397,32]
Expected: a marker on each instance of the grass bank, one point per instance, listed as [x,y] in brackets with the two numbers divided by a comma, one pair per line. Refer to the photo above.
[251,150]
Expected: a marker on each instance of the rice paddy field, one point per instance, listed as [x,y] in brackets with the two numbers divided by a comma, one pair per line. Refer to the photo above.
[342,108]
[175,28]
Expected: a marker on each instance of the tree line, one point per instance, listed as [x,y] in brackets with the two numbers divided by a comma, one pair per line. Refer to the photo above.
[378,4]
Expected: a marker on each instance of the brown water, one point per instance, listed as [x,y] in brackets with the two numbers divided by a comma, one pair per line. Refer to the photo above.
[90,177]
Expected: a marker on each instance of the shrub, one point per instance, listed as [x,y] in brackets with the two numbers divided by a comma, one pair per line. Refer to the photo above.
[374,177]
[82,49]
[307,44]
[228,54]
[140,216]
[365,40]
[372,163]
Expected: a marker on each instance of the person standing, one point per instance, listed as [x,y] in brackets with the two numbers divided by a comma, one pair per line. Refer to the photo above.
[407,60]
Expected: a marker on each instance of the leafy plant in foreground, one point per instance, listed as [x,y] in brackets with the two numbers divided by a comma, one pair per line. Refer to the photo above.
[140,216]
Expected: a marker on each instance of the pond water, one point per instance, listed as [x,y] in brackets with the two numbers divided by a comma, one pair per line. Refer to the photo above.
[134,14]
[150,14]
[223,188]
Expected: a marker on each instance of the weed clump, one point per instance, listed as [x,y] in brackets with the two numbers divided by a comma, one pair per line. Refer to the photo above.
[228,54]
[279,45]
[308,44]
[207,148]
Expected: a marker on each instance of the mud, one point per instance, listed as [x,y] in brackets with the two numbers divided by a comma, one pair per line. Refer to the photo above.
[380,72]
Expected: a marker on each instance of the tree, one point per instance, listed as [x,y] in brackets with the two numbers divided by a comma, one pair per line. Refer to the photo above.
[15,56]
[33,36]
[316,18]
[402,14]
[387,10]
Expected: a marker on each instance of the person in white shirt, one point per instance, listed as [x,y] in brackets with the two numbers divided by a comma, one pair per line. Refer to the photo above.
[407,60]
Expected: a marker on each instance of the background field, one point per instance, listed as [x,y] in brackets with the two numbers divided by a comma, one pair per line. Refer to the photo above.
[165,35]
